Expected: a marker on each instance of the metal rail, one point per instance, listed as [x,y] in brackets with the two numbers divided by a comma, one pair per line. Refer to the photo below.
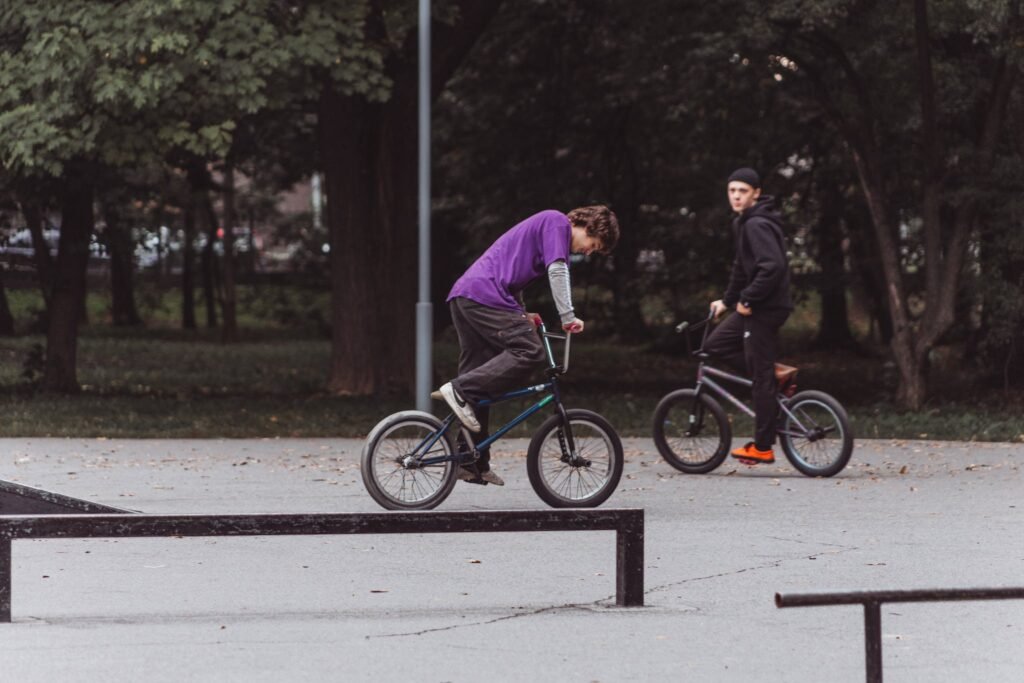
[627,523]
[873,600]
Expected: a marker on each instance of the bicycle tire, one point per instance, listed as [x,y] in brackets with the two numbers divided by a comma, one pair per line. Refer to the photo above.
[693,454]
[393,485]
[561,484]
[818,455]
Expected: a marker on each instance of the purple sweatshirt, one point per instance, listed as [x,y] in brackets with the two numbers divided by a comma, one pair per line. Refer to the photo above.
[515,259]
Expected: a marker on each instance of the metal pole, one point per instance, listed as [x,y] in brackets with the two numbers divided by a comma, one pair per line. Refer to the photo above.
[629,561]
[873,642]
[424,309]
[5,579]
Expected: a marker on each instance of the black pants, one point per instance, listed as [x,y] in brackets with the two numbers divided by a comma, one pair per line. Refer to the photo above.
[750,343]
[499,351]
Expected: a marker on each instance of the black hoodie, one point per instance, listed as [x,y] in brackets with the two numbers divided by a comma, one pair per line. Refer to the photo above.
[760,271]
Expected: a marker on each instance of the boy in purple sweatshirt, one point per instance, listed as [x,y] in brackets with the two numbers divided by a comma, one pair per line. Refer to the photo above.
[499,346]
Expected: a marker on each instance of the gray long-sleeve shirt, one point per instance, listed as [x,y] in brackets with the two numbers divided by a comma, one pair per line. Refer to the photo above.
[561,290]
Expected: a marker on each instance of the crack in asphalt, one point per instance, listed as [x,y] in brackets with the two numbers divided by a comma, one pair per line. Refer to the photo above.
[488,622]
[768,565]
[590,606]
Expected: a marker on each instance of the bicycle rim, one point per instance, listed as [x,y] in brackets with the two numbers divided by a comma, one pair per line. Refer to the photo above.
[409,486]
[577,484]
[812,415]
[692,434]
[695,449]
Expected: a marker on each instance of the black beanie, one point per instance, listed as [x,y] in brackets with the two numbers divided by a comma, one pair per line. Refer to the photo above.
[746,175]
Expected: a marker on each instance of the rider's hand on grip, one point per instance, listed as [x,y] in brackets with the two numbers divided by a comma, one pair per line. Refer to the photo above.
[718,308]
[574,327]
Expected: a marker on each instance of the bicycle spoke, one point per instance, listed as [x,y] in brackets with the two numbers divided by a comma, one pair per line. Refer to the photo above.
[577,482]
[814,434]
[691,431]
[409,484]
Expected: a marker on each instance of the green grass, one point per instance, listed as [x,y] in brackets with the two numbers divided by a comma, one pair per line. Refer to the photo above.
[161,381]
[149,385]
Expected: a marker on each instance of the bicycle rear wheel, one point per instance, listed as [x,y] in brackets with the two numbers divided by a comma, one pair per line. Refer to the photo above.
[692,435]
[589,480]
[391,462]
[815,434]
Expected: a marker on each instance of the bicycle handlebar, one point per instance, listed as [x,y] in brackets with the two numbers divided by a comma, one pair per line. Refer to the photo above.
[567,337]
[686,326]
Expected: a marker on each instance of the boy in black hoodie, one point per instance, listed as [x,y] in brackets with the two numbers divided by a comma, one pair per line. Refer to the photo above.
[759,291]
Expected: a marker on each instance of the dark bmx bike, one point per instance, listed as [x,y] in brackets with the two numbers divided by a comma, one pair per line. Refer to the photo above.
[411,459]
[693,433]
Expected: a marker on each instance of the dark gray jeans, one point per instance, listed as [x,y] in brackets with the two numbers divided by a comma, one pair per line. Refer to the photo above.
[499,351]
[751,343]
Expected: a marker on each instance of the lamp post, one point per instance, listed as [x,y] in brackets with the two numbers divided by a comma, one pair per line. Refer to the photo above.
[424,309]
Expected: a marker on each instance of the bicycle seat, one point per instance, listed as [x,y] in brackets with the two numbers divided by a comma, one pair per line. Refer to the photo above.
[785,374]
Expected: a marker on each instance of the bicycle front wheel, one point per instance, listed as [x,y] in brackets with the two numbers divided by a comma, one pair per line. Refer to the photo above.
[816,434]
[586,480]
[392,462]
[693,435]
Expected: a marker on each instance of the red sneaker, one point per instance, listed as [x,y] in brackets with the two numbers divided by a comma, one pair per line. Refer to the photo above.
[752,455]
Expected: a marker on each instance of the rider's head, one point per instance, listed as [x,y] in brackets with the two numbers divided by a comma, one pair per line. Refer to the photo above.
[596,228]
[744,188]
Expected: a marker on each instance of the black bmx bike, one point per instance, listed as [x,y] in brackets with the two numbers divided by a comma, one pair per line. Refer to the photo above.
[693,433]
[411,459]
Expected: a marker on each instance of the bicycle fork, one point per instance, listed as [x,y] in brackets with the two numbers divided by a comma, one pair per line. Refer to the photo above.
[567,443]
[696,417]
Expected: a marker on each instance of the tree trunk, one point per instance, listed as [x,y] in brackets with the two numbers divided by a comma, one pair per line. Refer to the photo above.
[6,318]
[118,238]
[834,330]
[913,370]
[188,266]
[40,250]
[864,250]
[229,297]
[623,192]
[370,170]
[346,131]
[906,353]
[69,282]
[208,266]
[208,258]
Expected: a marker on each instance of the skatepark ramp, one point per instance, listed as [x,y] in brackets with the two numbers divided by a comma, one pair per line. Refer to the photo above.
[19,499]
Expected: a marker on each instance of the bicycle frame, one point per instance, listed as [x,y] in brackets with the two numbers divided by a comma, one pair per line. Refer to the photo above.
[705,373]
[548,388]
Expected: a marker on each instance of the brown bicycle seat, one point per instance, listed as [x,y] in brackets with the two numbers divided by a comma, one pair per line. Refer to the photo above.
[784,374]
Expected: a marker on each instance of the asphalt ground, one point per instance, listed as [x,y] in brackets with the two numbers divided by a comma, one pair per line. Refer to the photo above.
[518,606]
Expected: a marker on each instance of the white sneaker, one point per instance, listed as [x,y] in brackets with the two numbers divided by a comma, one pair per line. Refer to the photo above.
[462,410]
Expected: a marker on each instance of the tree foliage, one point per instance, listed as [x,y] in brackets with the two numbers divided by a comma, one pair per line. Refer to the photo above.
[890,134]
